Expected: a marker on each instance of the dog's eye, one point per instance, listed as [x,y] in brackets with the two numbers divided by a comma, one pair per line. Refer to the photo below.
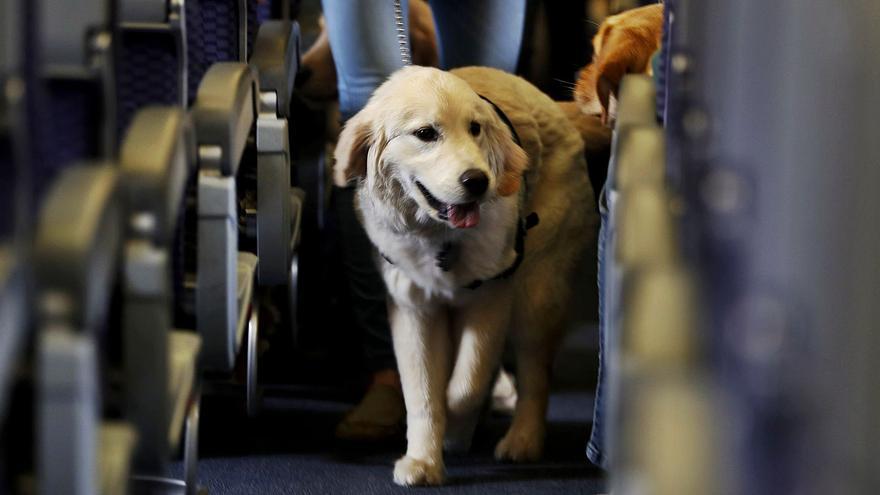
[475,129]
[427,134]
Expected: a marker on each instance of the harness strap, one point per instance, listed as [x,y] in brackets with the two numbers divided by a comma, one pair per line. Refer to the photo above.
[519,247]
[504,118]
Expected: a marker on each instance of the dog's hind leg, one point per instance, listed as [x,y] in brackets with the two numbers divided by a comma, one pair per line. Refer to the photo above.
[481,326]
[421,345]
[538,324]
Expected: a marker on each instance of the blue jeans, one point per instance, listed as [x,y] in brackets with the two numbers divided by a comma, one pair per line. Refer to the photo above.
[365,47]
[596,445]
[609,284]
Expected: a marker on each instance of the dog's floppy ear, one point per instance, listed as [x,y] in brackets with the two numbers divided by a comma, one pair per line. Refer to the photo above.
[508,159]
[515,163]
[351,151]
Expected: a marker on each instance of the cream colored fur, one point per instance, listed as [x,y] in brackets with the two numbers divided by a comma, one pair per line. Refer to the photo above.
[447,338]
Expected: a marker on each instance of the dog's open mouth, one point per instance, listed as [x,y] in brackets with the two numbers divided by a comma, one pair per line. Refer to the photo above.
[461,216]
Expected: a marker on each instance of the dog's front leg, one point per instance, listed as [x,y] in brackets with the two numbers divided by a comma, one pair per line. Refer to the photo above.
[482,325]
[421,345]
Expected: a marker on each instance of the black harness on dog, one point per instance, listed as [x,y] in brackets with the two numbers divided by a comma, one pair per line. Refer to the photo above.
[448,254]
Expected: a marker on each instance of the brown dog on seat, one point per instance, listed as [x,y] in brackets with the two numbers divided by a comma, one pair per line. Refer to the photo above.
[624,45]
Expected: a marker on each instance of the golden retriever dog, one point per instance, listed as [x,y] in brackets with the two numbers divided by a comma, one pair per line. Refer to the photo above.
[473,187]
[624,45]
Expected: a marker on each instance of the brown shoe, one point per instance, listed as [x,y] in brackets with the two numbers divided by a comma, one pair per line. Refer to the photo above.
[379,416]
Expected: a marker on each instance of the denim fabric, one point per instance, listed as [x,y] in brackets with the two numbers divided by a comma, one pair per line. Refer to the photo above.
[595,447]
[366,51]
[488,32]
[365,48]
[609,282]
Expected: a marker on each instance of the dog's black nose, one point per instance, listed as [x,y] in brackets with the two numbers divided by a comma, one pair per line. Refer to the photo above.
[474,181]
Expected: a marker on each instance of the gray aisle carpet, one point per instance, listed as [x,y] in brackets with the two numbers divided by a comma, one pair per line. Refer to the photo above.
[290,448]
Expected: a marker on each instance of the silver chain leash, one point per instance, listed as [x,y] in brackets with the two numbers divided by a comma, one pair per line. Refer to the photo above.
[402,37]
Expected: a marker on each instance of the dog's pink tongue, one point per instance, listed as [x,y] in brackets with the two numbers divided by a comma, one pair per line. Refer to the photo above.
[464,216]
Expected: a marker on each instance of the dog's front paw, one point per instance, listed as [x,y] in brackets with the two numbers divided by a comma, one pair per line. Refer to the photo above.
[520,446]
[409,471]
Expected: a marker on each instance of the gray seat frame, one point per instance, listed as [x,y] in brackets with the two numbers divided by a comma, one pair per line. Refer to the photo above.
[275,60]
[76,250]
[155,161]
[223,113]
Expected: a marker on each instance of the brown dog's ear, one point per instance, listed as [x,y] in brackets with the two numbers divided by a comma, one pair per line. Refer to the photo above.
[351,152]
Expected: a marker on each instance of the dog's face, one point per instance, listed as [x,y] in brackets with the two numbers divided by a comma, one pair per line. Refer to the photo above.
[624,45]
[426,141]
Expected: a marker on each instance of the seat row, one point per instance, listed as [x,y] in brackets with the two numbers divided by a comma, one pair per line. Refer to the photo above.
[740,270]
[146,157]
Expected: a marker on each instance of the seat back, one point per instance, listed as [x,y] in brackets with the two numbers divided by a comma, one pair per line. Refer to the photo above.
[216,32]
[152,47]
[76,51]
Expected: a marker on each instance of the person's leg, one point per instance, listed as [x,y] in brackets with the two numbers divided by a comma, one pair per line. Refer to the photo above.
[365,284]
[363,35]
[596,445]
[365,51]
[381,411]
[488,32]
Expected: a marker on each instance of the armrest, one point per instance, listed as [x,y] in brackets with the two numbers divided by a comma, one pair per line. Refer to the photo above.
[223,114]
[660,330]
[77,245]
[155,161]
[116,446]
[647,234]
[637,101]
[641,157]
[276,59]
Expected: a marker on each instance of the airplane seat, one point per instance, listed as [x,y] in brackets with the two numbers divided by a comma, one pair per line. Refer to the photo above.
[78,72]
[225,305]
[275,58]
[242,210]
[162,386]
[76,254]
[213,35]
[636,110]
[660,386]
[152,66]
[258,12]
